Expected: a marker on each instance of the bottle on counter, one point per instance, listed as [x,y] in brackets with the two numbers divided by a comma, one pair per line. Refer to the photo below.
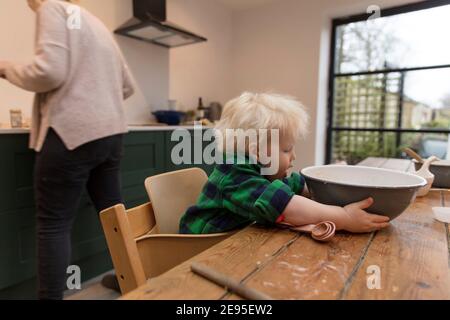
[201,110]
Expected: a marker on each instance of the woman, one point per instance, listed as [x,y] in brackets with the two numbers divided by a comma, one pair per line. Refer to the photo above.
[78,122]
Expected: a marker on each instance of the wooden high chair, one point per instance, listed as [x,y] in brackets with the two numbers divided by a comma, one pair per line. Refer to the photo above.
[143,241]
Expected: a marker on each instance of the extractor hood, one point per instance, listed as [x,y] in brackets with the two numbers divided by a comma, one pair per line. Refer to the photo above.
[149,24]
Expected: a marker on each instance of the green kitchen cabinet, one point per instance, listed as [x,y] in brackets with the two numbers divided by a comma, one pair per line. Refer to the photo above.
[146,153]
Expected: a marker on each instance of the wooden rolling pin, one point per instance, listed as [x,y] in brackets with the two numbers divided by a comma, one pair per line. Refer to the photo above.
[228,283]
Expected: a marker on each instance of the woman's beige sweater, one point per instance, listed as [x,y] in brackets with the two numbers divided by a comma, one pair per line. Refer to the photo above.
[79,76]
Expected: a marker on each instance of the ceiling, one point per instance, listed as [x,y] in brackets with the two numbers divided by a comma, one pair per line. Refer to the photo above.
[239,5]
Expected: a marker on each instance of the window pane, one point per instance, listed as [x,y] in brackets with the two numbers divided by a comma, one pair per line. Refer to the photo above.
[427,144]
[413,39]
[355,146]
[370,101]
[426,99]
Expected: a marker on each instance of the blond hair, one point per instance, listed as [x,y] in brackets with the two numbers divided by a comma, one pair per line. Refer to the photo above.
[265,111]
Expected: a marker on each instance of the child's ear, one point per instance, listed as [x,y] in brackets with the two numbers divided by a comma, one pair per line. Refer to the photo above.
[253,150]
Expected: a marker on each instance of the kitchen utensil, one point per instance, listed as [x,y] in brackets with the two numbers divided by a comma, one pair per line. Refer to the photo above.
[228,283]
[392,191]
[323,231]
[441,171]
[413,154]
[425,173]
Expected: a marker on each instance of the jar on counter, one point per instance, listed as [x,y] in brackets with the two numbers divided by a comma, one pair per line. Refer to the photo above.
[16,118]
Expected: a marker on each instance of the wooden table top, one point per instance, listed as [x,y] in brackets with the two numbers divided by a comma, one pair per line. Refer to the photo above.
[411,258]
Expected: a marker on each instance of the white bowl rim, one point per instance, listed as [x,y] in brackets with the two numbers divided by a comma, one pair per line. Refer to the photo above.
[417,185]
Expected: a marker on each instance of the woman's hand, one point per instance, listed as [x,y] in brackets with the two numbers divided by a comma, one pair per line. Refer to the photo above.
[3,66]
[355,219]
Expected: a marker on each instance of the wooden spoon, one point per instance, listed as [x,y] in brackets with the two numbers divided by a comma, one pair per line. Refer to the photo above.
[413,154]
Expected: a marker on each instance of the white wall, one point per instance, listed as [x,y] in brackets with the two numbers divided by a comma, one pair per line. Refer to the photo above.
[283,46]
[204,69]
[16,43]
[149,64]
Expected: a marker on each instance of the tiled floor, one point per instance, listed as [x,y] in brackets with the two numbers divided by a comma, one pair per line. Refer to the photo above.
[92,290]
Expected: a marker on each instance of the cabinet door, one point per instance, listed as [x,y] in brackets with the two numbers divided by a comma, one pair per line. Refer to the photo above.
[17,246]
[144,156]
[16,172]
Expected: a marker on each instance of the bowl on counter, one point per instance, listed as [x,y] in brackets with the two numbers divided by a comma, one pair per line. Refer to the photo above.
[441,171]
[392,191]
[169,117]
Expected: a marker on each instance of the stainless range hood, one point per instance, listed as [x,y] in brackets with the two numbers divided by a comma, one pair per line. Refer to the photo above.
[149,24]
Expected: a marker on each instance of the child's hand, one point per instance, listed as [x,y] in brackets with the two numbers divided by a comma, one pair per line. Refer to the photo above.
[357,220]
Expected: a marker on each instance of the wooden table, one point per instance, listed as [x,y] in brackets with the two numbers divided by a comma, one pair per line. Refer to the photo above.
[412,256]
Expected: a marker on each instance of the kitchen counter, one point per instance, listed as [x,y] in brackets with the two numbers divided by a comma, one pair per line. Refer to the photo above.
[164,128]
[130,128]
[14,131]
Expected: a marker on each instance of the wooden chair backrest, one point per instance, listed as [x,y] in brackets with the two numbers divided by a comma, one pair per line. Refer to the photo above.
[172,194]
[138,252]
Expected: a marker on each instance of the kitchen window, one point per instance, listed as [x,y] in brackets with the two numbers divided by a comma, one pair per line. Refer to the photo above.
[390,84]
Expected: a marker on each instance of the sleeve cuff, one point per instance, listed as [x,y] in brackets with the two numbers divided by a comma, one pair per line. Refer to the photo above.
[296,182]
[280,218]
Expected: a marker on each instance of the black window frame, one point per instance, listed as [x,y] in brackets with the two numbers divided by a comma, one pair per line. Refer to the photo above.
[332,75]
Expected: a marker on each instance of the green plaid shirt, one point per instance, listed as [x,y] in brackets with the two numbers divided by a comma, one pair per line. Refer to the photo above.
[237,195]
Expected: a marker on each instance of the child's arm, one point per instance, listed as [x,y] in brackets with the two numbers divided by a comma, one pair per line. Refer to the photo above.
[301,211]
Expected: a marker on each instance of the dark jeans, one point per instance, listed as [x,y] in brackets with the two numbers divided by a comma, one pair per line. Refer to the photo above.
[61,176]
